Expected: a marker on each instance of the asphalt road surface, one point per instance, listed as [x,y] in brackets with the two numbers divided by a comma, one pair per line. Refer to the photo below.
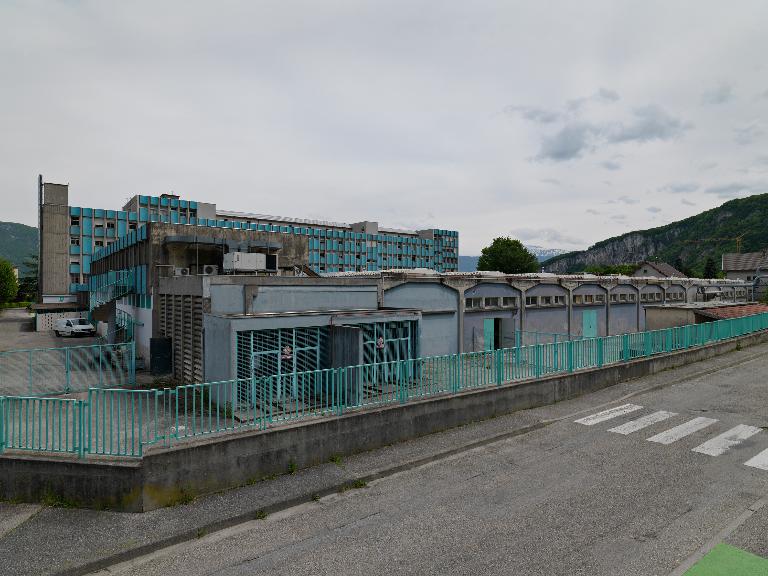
[635,487]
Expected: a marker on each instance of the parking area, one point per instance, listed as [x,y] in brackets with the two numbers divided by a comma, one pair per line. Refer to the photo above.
[17,331]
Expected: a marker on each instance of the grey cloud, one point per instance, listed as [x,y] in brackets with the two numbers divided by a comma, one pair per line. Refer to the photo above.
[734,189]
[553,181]
[653,209]
[708,166]
[627,200]
[650,123]
[687,202]
[593,211]
[603,95]
[764,95]
[748,134]
[533,114]
[619,217]
[545,235]
[610,165]
[680,187]
[720,94]
[568,143]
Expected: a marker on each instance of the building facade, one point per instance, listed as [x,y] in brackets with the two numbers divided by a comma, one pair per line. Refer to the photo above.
[226,327]
[72,236]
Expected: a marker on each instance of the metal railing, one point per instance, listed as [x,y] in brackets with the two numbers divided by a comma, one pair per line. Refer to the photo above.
[41,371]
[119,422]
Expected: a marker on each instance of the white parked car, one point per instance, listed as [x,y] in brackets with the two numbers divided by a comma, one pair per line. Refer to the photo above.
[73,327]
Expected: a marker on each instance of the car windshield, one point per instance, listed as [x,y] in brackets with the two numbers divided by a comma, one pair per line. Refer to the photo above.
[83,322]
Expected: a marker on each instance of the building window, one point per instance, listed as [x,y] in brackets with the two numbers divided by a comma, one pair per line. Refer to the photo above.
[99,243]
[74,278]
[132,226]
[600,298]
[110,225]
[657,296]
[631,297]
[491,302]
[578,299]
[74,221]
[614,297]
[74,241]
[509,302]
[531,301]
[559,300]
[622,297]
[472,302]
[588,299]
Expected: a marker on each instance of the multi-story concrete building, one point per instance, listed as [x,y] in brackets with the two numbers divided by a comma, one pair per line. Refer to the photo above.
[72,236]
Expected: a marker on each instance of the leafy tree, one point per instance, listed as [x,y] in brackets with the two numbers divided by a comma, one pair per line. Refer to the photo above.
[8,284]
[28,281]
[507,255]
[710,269]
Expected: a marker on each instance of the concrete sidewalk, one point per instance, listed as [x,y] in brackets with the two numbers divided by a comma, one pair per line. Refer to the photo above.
[50,540]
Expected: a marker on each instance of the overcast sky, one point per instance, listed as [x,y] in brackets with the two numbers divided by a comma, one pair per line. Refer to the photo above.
[561,123]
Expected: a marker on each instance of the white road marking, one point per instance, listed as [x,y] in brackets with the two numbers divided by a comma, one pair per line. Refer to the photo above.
[685,429]
[608,414]
[759,461]
[727,440]
[644,422]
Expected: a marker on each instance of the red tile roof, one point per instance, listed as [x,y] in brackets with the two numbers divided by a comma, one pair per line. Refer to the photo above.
[723,312]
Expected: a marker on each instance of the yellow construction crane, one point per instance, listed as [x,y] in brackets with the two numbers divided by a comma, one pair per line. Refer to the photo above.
[737,239]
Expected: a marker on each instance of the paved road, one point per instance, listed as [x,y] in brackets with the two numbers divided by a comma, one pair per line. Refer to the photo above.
[17,330]
[634,487]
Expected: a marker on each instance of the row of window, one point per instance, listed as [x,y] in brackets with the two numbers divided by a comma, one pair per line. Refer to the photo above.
[578,299]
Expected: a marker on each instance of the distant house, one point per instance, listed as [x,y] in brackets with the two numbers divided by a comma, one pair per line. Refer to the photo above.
[745,266]
[16,272]
[657,270]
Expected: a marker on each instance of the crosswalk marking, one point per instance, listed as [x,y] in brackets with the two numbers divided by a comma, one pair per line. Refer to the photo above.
[685,429]
[644,422]
[727,440]
[759,461]
[608,414]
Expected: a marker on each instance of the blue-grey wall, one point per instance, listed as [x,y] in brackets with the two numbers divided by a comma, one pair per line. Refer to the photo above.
[218,349]
[288,298]
[440,318]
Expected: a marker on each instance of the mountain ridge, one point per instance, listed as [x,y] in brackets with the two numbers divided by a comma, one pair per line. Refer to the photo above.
[17,242]
[688,242]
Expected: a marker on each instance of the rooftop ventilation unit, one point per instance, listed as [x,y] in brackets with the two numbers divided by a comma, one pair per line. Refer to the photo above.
[181,271]
[210,270]
[244,262]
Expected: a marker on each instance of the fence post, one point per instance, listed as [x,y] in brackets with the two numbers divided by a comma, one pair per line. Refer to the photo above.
[338,384]
[600,352]
[132,365]
[80,432]
[625,346]
[570,355]
[2,424]
[101,353]
[537,360]
[30,374]
[66,367]
[499,367]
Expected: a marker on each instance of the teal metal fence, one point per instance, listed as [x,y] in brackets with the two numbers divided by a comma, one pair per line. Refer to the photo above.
[119,422]
[43,371]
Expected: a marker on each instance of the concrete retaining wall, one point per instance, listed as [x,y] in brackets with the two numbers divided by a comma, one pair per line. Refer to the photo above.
[171,476]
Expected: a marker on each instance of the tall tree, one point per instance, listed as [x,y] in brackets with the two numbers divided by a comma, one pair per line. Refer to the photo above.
[507,255]
[28,280]
[710,269]
[8,283]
